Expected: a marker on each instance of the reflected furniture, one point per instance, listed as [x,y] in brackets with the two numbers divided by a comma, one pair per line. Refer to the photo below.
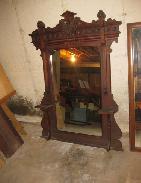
[74,93]
[72,32]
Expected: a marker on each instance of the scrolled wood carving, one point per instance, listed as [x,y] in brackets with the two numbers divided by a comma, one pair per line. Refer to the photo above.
[71,27]
[72,32]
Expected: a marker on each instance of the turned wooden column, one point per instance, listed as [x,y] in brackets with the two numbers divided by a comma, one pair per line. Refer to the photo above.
[48,102]
[108,105]
[104,95]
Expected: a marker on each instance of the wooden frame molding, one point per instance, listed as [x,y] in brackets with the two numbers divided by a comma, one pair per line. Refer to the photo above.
[133,125]
[72,32]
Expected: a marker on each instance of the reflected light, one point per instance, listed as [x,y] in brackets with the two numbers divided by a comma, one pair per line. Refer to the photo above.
[51,59]
[68,55]
[72,58]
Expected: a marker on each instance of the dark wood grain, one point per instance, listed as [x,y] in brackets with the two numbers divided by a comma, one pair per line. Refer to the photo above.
[72,32]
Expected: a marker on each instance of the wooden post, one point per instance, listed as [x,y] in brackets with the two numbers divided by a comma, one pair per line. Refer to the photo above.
[108,105]
[48,102]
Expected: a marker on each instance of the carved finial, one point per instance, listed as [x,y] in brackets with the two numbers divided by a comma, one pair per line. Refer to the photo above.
[68,15]
[101,15]
[40,24]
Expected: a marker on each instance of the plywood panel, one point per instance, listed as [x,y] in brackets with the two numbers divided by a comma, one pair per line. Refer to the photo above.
[6,88]
[10,140]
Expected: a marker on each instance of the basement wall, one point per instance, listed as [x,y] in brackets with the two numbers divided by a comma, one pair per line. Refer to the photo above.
[23,63]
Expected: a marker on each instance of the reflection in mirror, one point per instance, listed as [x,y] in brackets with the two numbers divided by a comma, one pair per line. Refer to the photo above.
[77,90]
[138,138]
[136,34]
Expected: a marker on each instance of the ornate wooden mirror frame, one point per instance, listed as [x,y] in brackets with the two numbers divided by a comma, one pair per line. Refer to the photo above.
[134,75]
[69,33]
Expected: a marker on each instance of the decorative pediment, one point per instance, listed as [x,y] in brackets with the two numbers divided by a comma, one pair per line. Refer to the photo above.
[72,27]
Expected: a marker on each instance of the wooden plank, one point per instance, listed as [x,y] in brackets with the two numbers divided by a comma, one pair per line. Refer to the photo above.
[17,125]
[10,140]
[10,129]
[6,91]
[2,162]
[6,88]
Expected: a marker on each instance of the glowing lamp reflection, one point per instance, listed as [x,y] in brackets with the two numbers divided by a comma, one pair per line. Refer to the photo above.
[72,58]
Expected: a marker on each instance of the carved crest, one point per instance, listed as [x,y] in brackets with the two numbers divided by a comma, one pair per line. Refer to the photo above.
[72,27]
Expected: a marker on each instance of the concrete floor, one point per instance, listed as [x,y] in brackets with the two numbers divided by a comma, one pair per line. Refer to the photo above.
[41,161]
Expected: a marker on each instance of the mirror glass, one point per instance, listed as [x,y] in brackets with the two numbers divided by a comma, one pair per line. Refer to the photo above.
[138,138]
[77,86]
[136,40]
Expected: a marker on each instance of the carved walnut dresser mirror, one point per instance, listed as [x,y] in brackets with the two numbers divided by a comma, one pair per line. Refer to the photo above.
[78,105]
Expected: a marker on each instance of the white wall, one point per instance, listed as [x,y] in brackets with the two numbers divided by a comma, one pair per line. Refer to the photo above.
[23,63]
